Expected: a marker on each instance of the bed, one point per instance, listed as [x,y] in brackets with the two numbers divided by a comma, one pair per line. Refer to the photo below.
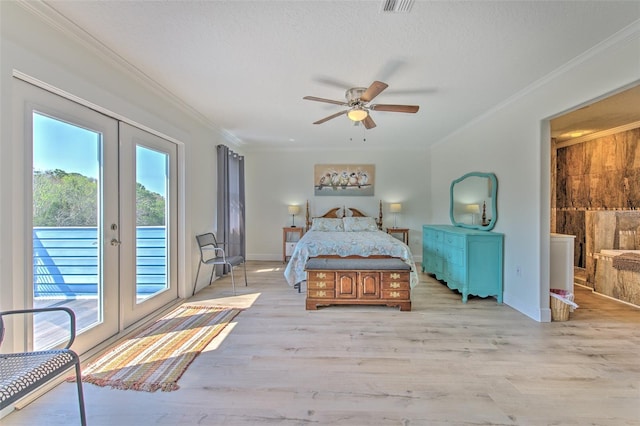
[345,258]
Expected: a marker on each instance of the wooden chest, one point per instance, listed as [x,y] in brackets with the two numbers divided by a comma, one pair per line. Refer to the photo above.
[358,287]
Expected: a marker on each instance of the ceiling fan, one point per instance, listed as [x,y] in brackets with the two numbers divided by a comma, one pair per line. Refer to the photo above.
[358,99]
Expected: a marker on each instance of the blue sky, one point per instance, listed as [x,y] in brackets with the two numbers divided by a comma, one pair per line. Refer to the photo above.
[58,145]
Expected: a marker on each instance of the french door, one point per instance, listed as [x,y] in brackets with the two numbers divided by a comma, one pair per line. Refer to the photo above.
[148,223]
[102,219]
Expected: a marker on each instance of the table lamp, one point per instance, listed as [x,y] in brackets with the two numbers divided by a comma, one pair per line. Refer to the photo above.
[473,209]
[293,211]
[395,209]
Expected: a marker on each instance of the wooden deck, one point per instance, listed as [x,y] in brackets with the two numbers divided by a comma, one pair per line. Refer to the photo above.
[52,327]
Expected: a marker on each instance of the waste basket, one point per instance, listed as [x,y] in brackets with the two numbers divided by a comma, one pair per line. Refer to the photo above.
[561,303]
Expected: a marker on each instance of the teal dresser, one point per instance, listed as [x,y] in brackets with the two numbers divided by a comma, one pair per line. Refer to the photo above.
[468,260]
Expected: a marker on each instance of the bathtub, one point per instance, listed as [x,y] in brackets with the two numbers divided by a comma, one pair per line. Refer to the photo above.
[612,252]
[623,285]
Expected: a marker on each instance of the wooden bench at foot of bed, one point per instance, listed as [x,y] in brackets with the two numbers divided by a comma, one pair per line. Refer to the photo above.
[358,281]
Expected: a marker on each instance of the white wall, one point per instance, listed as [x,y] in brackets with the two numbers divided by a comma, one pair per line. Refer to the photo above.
[276,179]
[63,61]
[513,142]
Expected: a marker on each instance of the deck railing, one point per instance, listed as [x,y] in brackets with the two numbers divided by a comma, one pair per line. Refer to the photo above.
[66,261]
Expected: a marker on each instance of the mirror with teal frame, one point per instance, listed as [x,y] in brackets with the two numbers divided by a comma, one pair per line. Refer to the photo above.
[474,201]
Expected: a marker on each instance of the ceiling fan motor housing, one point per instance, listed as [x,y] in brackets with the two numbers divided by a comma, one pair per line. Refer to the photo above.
[353,96]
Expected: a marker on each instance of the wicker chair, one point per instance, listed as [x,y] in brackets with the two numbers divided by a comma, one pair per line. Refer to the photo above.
[23,372]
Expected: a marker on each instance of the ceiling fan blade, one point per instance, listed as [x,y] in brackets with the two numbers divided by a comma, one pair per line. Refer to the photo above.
[374,90]
[329,81]
[337,114]
[329,101]
[395,108]
[369,123]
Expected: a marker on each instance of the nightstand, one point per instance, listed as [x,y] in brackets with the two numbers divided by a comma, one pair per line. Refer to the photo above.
[403,231]
[290,237]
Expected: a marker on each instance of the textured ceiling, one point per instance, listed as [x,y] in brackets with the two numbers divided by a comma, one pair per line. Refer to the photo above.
[614,111]
[246,65]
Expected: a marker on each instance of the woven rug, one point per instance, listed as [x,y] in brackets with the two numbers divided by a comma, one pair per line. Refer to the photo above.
[156,357]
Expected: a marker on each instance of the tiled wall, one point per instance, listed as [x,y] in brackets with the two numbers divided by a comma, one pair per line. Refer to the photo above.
[598,175]
[609,230]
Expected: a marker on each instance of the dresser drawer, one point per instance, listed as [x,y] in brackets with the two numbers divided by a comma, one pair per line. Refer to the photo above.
[289,247]
[430,234]
[455,256]
[321,276]
[321,294]
[395,281]
[395,285]
[456,241]
[395,276]
[321,284]
[395,294]
[434,265]
[455,274]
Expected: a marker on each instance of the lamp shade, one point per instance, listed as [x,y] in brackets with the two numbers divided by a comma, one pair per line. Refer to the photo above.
[395,207]
[473,208]
[357,114]
[293,210]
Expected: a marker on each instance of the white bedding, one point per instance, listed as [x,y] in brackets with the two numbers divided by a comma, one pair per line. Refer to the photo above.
[342,243]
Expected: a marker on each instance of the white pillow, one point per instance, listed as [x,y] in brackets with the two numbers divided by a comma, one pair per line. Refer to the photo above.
[359,224]
[327,224]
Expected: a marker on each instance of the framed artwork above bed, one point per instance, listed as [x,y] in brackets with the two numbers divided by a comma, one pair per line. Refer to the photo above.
[344,179]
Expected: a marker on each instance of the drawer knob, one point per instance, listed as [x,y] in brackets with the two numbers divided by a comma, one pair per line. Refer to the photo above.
[394,294]
[394,285]
[322,284]
[321,275]
[321,293]
[395,276]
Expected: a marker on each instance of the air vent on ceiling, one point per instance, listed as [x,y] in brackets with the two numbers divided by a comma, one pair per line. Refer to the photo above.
[396,6]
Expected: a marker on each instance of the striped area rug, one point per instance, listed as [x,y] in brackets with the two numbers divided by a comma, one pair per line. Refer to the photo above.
[157,356]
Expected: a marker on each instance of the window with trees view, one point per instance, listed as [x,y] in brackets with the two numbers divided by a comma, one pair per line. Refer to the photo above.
[63,198]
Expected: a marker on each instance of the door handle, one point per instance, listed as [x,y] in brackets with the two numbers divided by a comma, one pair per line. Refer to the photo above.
[115,242]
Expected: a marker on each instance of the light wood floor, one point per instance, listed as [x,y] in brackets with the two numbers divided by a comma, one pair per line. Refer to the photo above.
[443,363]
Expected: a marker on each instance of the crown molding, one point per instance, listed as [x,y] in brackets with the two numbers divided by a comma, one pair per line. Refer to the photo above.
[59,22]
[597,135]
[629,32]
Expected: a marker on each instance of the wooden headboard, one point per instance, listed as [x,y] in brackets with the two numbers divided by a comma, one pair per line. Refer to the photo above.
[333,213]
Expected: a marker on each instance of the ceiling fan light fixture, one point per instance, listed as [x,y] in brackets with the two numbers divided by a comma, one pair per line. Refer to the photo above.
[357,114]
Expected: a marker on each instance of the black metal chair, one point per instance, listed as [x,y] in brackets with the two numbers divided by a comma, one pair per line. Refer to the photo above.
[212,254]
[23,372]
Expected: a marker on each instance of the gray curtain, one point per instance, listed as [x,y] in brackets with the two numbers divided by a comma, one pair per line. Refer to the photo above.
[230,226]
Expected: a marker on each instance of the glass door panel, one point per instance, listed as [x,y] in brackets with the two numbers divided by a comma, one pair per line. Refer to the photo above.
[151,217]
[148,275]
[71,152]
[66,197]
